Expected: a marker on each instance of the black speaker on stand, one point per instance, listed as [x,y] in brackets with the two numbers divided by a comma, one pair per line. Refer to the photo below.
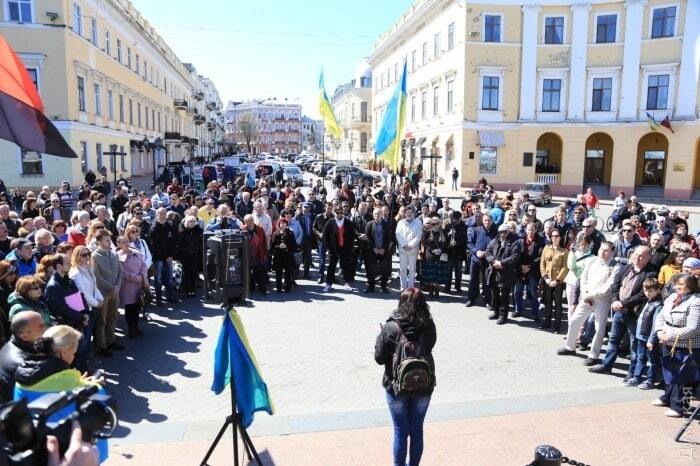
[226,267]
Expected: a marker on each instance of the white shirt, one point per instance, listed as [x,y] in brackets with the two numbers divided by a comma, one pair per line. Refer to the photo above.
[85,281]
[265,222]
[409,234]
[596,280]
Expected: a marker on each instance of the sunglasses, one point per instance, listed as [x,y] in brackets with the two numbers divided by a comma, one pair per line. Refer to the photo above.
[84,254]
[627,230]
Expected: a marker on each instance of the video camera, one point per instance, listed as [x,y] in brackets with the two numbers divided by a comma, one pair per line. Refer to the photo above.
[26,425]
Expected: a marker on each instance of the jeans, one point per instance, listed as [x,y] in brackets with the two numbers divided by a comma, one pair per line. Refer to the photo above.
[654,358]
[621,322]
[640,351]
[530,285]
[675,393]
[164,271]
[322,248]
[455,268]
[454,183]
[407,415]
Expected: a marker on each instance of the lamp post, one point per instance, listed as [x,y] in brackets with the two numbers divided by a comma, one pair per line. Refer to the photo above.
[112,152]
[156,146]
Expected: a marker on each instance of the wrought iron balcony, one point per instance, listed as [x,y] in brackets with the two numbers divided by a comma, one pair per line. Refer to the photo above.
[198,95]
[180,104]
[171,137]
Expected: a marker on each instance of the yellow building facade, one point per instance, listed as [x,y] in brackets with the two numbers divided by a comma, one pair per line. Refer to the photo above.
[107,80]
[557,92]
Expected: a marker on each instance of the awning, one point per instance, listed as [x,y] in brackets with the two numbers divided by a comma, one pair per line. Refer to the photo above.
[420,141]
[491,138]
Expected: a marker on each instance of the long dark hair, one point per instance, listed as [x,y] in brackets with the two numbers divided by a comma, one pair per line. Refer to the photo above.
[413,307]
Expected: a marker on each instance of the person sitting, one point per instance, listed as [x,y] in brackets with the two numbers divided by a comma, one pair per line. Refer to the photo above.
[26,327]
[49,371]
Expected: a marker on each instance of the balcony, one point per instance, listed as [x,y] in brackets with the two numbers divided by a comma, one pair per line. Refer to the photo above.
[548,178]
[211,126]
[184,140]
[172,137]
[211,105]
[199,119]
[194,141]
[198,95]
[180,104]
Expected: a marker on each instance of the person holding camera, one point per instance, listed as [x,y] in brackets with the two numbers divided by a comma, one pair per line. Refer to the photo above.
[49,371]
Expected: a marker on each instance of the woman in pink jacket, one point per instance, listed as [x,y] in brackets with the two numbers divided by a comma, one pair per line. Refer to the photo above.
[135,278]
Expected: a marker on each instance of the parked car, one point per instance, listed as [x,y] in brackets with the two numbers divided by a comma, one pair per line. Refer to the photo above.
[357,175]
[539,193]
[293,173]
[326,166]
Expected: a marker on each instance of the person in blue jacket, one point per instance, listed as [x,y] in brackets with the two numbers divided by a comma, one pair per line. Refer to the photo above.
[478,239]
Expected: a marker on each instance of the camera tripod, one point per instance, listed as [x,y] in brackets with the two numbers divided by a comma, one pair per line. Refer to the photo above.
[235,421]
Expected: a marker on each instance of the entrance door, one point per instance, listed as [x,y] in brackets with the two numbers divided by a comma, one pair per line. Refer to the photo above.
[595,166]
[654,168]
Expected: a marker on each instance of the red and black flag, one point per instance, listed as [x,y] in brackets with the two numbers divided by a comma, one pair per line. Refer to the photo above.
[22,118]
[666,123]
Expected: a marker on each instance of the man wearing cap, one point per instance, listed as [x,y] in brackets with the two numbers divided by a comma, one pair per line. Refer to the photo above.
[22,253]
[692,266]
[503,256]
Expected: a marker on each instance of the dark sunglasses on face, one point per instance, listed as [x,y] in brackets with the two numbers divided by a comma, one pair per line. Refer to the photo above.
[627,230]
[84,254]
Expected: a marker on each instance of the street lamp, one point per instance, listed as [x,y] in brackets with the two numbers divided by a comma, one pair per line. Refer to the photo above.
[156,146]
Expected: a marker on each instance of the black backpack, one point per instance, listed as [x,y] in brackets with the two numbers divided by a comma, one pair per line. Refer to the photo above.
[412,374]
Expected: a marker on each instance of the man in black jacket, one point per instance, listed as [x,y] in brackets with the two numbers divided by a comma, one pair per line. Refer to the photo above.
[478,240]
[319,223]
[456,231]
[359,251]
[26,327]
[628,300]
[339,235]
[308,239]
[503,256]
[379,238]
[162,239]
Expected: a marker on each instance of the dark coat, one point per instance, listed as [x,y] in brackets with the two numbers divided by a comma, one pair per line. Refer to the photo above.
[319,223]
[387,239]
[459,249]
[11,356]
[508,252]
[163,241]
[330,236]
[283,257]
[637,299]
[57,289]
[189,242]
[532,258]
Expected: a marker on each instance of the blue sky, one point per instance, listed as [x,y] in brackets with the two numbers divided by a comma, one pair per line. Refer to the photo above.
[275,48]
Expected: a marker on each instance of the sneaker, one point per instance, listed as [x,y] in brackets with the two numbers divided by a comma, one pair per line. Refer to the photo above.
[672,413]
[591,361]
[659,402]
[566,352]
[327,288]
[648,384]
[347,287]
[632,382]
[600,369]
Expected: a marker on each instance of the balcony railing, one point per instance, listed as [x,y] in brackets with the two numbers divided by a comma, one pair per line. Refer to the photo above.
[548,178]
[199,95]
[211,105]
[199,119]
[171,137]
[184,139]
[194,141]
[180,104]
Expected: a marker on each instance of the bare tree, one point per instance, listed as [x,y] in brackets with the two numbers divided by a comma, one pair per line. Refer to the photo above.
[248,128]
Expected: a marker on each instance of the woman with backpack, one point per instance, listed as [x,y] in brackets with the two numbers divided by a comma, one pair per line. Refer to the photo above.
[404,346]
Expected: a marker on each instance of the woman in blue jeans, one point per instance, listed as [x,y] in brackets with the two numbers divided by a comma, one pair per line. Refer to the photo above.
[413,321]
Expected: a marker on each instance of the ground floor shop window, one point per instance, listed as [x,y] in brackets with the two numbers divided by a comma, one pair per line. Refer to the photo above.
[31,163]
[654,168]
[487,161]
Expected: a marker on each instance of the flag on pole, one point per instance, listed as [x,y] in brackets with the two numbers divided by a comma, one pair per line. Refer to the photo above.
[22,118]
[666,123]
[653,124]
[234,357]
[326,110]
[389,137]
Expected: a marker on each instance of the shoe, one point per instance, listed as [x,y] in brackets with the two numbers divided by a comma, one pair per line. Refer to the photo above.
[159,304]
[516,314]
[591,361]
[544,326]
[116,346]
[320,280]
[368,290]
[264,292]
[672,413]
[502,320]
[347,287]
[646,385]
[385,290]
[458,291]
[566,352]
[600,369]
[493,316]
[469,303]
[632,382]
[626,378]
[659,402]
[327,288]
[105,353]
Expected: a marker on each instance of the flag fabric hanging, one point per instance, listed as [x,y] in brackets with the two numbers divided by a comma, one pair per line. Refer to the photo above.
[22,118]
[326,110]
[666,123]
[234,357]
[388,140]
[653,124]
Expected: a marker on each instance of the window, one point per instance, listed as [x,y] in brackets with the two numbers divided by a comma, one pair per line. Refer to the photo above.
[606,29]
[425,53]
[93,31]
[77,19]
[159,122]
[489,96]
[450,36]
[487,161]
[98,100]
[436,100]
[119,50]
[128,57]
[436,45]
[108,45]
[602,95]
[131,112]
[138,64]
[542,159]
[81,94]
[663,22]
[413,108]
[153,119]
[20,11]
[83,156]
[121,108]
[363,111]
[492,28]
[145,69]
[551,95]
[363,142]
[31,163]
[98,154]
[450,96]
[413,60]
[110,104]
[657,92]
[34,75]
[554,30]
[423,104]
[123,160]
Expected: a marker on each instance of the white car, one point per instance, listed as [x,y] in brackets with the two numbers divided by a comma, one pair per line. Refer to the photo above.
[292,173]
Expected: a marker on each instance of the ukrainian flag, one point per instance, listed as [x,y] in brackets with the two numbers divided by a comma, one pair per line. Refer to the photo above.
[234,355]
[388,142]
[326,110]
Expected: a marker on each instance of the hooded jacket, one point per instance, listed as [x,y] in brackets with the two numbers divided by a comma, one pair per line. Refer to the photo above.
[18,304]
[390,335]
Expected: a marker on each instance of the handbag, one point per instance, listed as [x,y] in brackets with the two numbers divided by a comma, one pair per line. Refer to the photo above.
[679,368]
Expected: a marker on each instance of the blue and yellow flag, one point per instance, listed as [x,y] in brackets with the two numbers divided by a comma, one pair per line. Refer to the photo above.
[234,356]
[388,142]
[653,124]
[326,111]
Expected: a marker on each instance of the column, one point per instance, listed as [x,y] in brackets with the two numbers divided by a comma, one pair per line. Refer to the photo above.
[528,67]
[629,89]
[579,49]
[690,62]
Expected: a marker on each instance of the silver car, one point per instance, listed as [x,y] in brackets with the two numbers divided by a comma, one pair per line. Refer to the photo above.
[539,193]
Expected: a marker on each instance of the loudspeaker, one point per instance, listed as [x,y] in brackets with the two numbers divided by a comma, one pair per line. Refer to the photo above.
[226,267]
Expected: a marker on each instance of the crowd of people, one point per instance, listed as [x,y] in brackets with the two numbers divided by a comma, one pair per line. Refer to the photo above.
[73,259]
